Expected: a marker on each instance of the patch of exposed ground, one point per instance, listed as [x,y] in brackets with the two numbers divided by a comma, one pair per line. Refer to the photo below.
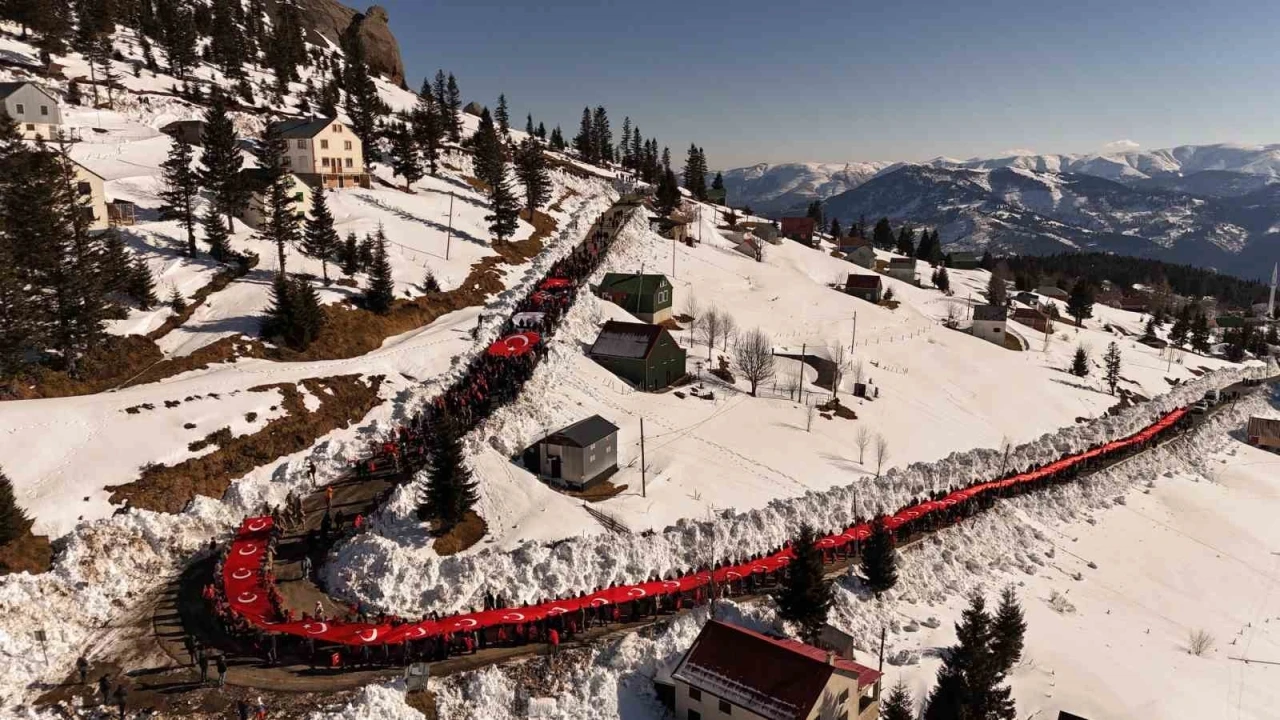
[26,553]
[344,399]
[462,536]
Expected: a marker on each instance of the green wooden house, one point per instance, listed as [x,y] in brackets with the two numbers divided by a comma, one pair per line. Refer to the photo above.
[644,355]
[648,297]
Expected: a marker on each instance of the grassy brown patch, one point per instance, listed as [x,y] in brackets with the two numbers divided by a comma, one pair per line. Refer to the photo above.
[462,536]
[343,399]
[424,702]
[27,553]
[597,493]
[219,437]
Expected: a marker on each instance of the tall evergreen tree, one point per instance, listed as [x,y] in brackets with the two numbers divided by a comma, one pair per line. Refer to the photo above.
[941,279]
[970,680]
[1007,631]
[625,156]
[585,142]
[320,240]
[1080,362]
[835,230]
[428,127]
[668,192]
[1080,301]
[381,291]
[997,289]
[906,241]
[287,49]
[181,186]
[557,140]
[14,521]
[602,135]
[294,316]
[363,105]
[1181,328]
[666,158]
[281,224]
[879,559]
[350,255]
[450,492]
[440,89]
[504,210]
[1200,333]
[453,106]
[882,234]
[898,704]
[226,45]
[503,116]
[804,596]
[695,173]
[405,161]
[1111,363]
[221,160]
[531,168]
[178,36]
[718,182]
[490,162]
[528,126]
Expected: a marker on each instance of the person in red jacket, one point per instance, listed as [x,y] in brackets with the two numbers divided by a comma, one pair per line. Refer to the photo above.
[553,642]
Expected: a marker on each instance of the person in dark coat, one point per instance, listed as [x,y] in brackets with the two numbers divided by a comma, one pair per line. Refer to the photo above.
[242,708]
[82,667]
[104,687]
[222,670]
[204,668]
[121,699]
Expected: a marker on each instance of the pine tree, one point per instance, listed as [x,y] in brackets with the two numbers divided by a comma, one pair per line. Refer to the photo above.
[363,105]
[14,521]
[453,105]
[181,186]
[882,234]
[215,235]
[1080,362]
[490,161]
[835,231]
[440,90]
[1181,328]
[625,156]
[308,317]
[140,285]
[1080,302]
[221,160]
[380,293]
[718,182]
[528,126]
[350,255]
[429,283]
[942,280]
[503,116]
[969,681]
[542,132]
[668,192]
[176,301]
[585,142]
[531,168]
[557,140]
[320,240]
[178,36]
[279,320]
[450,492]
[898,704]
[879,559]
[1200,333]
[428,127]
[602,135]
[695,173]
[504,210]
[404,154]
[287,49]
[281,224]
[226,46]
[997,289]
[1007,631]
[804,596]
[1111,361]
[906,241]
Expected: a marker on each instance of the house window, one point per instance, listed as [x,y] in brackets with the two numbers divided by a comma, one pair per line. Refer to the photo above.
[725,707]
[44,109]
[22,109]
[695,693]
[84,188]
[324,161]
[695,715]
[287,161]
[349,163]
[31,126]
[337,127]
[844,697]
[302,144]
[346,145]
[297,197]
[324,144]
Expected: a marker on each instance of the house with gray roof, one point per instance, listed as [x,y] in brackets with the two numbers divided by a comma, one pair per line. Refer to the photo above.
[324,152]
[32,107]
[989,323]
[581,455]
[644,355]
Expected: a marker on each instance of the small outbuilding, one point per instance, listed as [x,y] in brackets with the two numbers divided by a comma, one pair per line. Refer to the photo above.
[863,256]
[1052,291]
[1264,432]
[866,287]
[644,355]
[191,131]
[1034,318]
[800,229]
[647,296]
[581,455]
[903,269]
[989,323]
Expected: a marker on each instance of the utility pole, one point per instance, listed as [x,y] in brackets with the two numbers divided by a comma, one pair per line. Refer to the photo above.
[853,341]
[804,348]
[639,287]
[448,239]
[643,485]
[881,649]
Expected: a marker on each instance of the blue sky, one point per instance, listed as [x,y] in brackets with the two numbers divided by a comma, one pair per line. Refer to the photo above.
[798,80]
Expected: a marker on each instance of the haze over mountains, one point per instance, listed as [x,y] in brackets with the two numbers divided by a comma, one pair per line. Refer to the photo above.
[1211,205]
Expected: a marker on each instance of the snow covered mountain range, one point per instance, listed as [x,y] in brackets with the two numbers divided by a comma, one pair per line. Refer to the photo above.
[1214,206]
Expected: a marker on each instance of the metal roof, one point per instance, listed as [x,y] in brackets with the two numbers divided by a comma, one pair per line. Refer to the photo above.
[303,127]
[9,88]
[990,313]
[626,339]
[627,282]
[584,432]
[863,282]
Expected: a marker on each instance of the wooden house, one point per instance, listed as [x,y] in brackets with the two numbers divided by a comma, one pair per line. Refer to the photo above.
[648,296]
[800,229]
[1264,432]
[644,355]
[190,131]
[867,287]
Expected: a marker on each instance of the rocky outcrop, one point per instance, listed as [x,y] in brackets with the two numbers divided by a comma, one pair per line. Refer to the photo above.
[330,19]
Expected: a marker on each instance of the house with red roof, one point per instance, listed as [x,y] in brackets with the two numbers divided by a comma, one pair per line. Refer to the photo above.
[732,672]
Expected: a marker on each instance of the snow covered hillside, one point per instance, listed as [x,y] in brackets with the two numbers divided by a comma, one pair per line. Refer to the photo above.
[787,188]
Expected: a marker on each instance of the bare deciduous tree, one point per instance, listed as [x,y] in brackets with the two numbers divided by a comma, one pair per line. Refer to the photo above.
[753,352]
[728,329]
[1199,642]
[792,384]
[709,329]
[862,439]
[882,453]
[693,311]
[842,358]
[858,371]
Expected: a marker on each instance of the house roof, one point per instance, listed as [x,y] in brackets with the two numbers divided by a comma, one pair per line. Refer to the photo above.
[629,282]
[1052,291]
[863,282]
[853,243]
[304,127]
[777,678]
[627,339]
[9,88]
[990,313]
[1028,313]
[902,263]
[1264,427]
[584,432]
